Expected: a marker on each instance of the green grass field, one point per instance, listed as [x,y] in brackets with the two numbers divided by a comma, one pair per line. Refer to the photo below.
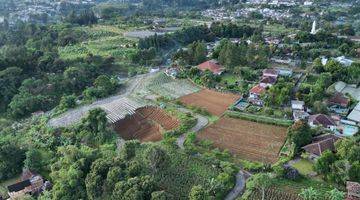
[229,78]
[305,167]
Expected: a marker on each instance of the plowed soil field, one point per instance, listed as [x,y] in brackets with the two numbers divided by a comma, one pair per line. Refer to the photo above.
[214,102]
[248,140]
[147,124]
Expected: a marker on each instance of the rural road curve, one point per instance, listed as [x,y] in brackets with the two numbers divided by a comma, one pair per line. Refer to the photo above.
[200,124]
[239,187]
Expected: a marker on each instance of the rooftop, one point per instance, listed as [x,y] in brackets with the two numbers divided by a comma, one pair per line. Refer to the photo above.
[322,143]
[257,89]
[211,65]
[19,186]
[321,119]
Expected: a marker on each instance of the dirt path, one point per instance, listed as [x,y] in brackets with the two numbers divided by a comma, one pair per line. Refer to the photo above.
[201,123]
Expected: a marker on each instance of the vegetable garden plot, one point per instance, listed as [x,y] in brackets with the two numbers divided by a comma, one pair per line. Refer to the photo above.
[214,102]
[248,140]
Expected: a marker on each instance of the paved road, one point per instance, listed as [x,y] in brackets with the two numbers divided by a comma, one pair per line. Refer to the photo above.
[239,187]
[201,123]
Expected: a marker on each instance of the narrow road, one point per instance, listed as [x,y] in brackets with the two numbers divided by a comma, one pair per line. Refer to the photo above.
[200,124]
[240,177]
[239,187]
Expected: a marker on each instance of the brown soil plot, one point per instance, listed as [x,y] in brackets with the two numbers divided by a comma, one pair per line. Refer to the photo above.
[248,140]
[214,102]
[146,124]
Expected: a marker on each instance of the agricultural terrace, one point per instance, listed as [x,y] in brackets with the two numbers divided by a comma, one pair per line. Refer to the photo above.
[246,139]
[165,86]
[214,102]
[100,40]
[146,124]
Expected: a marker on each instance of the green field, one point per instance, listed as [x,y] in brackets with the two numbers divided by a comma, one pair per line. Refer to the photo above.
[102,40]
[295,187]
[229,78]
[305,167]
[183,172]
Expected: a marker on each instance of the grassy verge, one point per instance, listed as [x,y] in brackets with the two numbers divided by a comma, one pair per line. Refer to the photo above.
[305,167]
[259,118]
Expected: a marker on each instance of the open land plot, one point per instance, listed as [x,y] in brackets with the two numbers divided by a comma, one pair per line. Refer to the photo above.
[249,140]
[101,40]
[146,124]
[214,102]
[166,86]
[141,34]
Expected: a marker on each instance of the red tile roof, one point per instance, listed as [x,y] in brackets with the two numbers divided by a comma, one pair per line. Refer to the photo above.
[211,65]
[339,99]
[321,144]
[321,119]
[268,80]
[257,89]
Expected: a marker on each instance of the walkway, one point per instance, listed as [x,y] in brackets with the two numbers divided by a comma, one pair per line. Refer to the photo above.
[239,187]
[200,124]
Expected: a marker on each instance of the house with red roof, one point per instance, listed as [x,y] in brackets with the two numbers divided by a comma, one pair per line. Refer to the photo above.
[339,99]
[267,81]
[255,93]
[320,144]
[321,120]
[213,66]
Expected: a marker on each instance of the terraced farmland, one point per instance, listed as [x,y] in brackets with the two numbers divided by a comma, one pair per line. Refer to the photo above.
[165,86]
[248,140]
[146,124]
[214,102]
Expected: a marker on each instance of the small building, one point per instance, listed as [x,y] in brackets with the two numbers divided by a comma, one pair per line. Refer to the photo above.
[344,61]
[267,81]
[297,105]
[30,183]
[172,72]
[285,72]
[300,115]
[19,189]
[355,114]
[255,94]
[154,70]
[257,91]
[213,66]
[320,144]
[353,190]
[322,121]
[270,73]
[339,99]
